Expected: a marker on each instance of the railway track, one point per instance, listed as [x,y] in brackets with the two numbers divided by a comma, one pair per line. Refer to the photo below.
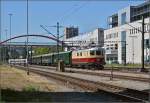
[128,69]
[115,76]
[141,79]
[124,94]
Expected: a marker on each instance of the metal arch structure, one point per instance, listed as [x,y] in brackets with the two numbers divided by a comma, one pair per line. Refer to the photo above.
[36,35]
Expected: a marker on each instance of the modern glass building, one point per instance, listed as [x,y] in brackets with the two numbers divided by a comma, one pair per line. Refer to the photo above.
[124,27]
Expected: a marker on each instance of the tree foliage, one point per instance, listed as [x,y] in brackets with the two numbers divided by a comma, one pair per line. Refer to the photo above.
[46,50]
[41,50]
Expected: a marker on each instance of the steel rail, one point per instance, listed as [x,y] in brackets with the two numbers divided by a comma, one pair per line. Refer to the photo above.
[124,93]
[141,79]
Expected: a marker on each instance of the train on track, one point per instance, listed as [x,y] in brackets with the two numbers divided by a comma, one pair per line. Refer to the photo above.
[87,58]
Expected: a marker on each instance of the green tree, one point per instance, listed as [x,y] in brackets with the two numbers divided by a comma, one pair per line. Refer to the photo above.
[46,50]
[41,50]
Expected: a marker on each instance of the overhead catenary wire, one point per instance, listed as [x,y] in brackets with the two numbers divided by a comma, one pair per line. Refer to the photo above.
[74,11]
[67,11]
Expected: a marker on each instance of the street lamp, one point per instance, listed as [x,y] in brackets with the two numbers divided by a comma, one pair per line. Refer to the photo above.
[10,15]
[6,44]
[27,39]
[148,52]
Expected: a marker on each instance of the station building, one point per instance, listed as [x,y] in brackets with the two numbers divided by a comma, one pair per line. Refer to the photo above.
[88,39]
[123,36]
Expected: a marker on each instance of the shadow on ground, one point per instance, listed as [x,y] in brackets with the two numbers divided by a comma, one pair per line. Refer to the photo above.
[24,96]
[8,95]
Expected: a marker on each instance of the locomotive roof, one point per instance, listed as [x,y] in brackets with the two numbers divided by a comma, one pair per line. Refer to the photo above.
[96,48]
[49,54]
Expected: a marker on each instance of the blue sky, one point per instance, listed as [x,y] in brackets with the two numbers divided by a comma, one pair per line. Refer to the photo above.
[87,15]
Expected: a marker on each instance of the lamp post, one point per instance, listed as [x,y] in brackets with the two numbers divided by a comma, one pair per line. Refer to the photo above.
[10,15]
[27,55]
[142,69]
[149,42]
[0,50]
[6,45]
[58,41]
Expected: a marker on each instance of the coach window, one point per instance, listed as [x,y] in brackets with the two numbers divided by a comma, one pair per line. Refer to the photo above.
[77,54]
[92,52]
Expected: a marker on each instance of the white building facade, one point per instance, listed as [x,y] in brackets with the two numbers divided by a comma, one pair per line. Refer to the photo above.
[95,37]
[123,38]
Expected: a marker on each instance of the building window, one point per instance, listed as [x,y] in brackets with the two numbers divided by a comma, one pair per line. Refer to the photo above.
[146,43]
[136,31]
[130,31]
[140,28]
[123,18]
[123,39]
[148,28]
[123,36]
[116,35]
[145,28]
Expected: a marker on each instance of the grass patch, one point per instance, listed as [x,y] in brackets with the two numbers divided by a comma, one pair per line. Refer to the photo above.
[31,88]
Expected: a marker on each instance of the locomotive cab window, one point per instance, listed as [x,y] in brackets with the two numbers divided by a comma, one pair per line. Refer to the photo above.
[98,52]
[92,52]
[80,53]
[103,52]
